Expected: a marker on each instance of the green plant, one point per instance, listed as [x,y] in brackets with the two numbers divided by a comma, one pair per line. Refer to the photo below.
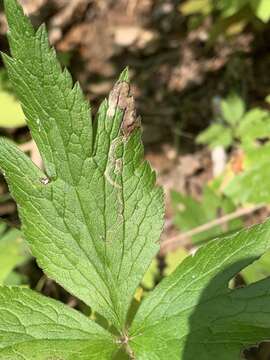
[190,213]
[247,132]
[12,254]
[223,131]
[11,114]
[245,179]
[251,184]
[230,16]
[93,221]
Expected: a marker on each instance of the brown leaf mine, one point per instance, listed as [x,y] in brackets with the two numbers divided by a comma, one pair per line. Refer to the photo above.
[120,97]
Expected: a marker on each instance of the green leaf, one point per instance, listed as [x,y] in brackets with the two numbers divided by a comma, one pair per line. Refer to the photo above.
[252,186]
[12,252]
[94,220]
[230,26]
[192,314]
[173,259]
[191,7]
[262,9]
[254,125]
[34,327]
[3,227]
[11,114]
[230,7]
[215,135]
[233,109]
[255,154]
[151,275]
[16,279]
[190,213]
[259,270]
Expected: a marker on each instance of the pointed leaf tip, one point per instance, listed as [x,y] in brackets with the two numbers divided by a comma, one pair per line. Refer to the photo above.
[120,97]
[124,76]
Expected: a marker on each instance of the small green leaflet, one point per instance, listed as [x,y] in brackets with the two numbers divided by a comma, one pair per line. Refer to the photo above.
[216,135]
[232,109]
[34,327]
[192,314]
[254,125]
[94,220]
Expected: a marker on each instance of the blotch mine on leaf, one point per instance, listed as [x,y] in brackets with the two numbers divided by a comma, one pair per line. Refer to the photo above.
[120,97]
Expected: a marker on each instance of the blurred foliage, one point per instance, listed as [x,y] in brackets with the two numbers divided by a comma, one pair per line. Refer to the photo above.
[223,131]
[245,179]
[173,259]
[236,125]
[191,213]
[11,114]
[153,274]
[150,277]
[245,134]
[230,17]
[259,270]
[12,254]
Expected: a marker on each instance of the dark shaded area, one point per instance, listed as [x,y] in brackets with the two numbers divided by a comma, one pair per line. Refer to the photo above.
[207,340]
[260,352]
